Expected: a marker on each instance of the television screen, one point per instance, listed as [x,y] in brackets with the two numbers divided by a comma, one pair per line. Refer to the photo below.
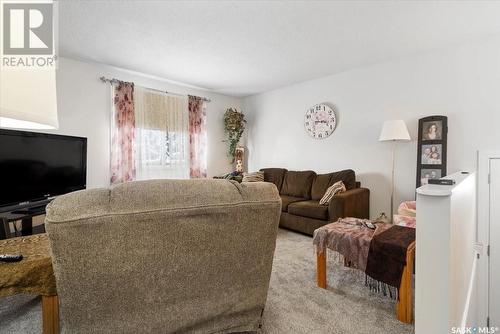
[36,166]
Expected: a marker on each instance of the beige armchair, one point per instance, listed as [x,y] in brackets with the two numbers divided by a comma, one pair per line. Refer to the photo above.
[164,256]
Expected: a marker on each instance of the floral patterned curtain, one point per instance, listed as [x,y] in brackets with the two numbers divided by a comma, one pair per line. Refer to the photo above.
[197,138]
[123,134]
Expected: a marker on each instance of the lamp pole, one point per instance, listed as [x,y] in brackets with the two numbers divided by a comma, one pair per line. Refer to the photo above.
[392,179]
[394,130]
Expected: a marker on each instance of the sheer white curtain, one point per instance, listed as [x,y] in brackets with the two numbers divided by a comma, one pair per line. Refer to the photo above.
[162,136]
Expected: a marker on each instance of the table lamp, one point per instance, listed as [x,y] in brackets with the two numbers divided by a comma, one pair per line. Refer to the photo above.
[394,130]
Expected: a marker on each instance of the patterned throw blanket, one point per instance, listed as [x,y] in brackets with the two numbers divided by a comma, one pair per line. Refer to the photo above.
[370,250]
[34,274]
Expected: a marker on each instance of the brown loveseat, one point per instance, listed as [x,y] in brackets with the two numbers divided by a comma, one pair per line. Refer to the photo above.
[301,191]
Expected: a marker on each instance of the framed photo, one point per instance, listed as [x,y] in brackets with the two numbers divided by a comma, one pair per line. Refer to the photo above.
[432,130]
[426,174]
[432,154]
[431,148]
[239,159]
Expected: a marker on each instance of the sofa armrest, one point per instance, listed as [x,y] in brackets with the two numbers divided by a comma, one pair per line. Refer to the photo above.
[351,203]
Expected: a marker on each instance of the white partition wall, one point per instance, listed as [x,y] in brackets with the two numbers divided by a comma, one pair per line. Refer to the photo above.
[445,255]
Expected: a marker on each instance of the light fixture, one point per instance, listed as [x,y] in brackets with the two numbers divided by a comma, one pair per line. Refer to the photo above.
[394,130]
[28,98]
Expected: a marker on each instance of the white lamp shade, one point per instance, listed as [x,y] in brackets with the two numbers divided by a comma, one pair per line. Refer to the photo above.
[394,130]
[28,98]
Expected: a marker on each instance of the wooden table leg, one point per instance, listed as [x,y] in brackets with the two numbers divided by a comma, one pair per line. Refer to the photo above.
[321,269]
[404,307]
[27,226]
[50,314]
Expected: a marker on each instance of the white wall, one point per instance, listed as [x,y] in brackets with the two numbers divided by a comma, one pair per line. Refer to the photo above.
[84,110]
[461,82]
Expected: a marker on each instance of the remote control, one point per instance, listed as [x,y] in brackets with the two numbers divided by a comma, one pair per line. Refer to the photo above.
[370,225]
[10,257]
[442,182]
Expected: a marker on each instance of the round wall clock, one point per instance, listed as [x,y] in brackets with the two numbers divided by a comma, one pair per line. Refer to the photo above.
[320,121]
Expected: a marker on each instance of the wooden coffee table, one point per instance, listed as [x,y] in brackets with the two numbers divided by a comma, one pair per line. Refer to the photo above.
[404,306]
[32,275]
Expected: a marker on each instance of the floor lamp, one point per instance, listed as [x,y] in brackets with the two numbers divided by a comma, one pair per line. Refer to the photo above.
[394,130]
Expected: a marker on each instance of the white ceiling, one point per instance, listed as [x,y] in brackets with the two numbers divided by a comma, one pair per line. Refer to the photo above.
[241,48]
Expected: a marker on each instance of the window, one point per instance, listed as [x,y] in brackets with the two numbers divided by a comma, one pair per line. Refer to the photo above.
[161,138]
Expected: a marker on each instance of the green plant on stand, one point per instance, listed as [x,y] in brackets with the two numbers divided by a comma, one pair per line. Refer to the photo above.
[234,125]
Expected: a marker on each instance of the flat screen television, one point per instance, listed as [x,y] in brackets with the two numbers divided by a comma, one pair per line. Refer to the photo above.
[37,166]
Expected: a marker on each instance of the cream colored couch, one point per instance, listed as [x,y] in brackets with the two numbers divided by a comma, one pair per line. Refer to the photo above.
[164,256]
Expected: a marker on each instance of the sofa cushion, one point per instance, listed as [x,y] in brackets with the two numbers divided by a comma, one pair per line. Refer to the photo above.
[274,175]
[310,209]
[286,200]
[323,181]
[253,177]
[298,184]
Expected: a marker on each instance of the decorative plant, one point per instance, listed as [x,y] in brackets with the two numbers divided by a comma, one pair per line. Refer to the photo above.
[234,125]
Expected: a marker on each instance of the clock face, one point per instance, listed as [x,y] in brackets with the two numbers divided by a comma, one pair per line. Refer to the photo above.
[320,121]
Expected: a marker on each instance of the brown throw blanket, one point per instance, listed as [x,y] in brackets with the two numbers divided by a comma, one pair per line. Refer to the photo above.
[387,254]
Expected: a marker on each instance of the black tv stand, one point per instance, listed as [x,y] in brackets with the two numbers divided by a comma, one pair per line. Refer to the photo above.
[35,211]
[25,215]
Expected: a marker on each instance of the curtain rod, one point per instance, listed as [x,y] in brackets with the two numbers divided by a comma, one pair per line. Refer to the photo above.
[112,81]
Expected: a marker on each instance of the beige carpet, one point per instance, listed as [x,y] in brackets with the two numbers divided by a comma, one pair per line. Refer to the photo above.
[294,305]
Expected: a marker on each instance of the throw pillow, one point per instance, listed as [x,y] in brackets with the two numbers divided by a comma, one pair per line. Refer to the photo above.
[333,190]
[253,177]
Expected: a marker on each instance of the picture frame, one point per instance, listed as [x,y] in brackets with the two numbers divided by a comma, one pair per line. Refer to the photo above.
[239,159]
[431,154]
[431,149]
[432,130]
[427,174]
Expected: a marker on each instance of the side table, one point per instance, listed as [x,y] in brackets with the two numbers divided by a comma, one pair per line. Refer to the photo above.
[32,275]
